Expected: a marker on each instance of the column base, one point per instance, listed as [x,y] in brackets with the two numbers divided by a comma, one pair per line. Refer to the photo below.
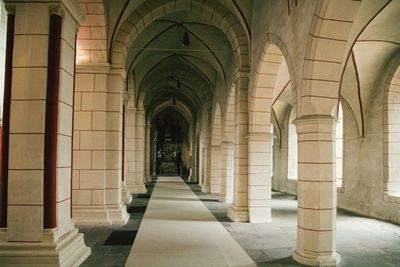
[205,189]
[225,199]
[314,259]
[70,250]
[259,214]
[112,215]
[136,189]
[238,215]
[148,178]
[118,215]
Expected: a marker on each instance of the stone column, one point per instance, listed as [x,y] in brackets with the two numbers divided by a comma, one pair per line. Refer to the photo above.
[316,213]
[215,169]
[155,141]
[140,148]
[227,151]
[116,208]
[194,159]
[238,212]
[260,171]
[38,228]
[97,187]
[134,183]
[147,154]
[205,187]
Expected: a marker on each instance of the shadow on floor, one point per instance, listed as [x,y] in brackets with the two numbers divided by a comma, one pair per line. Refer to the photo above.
[112,245]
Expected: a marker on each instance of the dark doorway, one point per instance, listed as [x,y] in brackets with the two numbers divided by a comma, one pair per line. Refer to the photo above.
[170,143]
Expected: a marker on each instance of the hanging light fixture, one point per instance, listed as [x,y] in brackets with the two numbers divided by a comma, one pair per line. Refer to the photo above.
[185,39]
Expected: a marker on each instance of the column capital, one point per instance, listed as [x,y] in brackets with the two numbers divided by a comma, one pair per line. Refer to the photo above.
[57,10]
[93,68]
[314,119]
[125,98]
[10,8]
[130,109]
[259,136]
[227,143]
[241,73]
[117,70]
[140,110]
[315,124]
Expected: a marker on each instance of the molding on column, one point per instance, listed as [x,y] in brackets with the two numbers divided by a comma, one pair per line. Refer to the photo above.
[259,136]
[317,118]
[10,8]
[73,7]
[57,10]
[225,198]
[109,214]
[136,188]
[307,258]
[117,214]
[238,215]
[227,143]
[118,70]
[95,68]
[241,73]
[125,98]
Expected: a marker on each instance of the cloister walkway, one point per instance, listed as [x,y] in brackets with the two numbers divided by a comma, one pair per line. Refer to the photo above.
[178,230]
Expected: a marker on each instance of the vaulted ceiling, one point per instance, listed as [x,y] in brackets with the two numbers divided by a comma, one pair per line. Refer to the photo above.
[179,53]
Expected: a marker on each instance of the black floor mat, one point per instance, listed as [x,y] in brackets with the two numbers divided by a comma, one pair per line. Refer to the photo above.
[209,200]
[120,238]
[143,196]
[136,209]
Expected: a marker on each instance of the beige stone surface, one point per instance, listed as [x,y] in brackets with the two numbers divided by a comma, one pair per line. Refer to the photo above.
[178,230]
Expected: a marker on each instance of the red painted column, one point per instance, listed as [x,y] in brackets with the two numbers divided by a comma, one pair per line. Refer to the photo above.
[6,120]
[50,147]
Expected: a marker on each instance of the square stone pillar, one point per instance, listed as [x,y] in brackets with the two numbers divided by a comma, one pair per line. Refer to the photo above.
[316,191]
[147,154]
[193,156]
[239,210]
[140,130]
[227,151]
[39,95]
[260,171]
[215,186]
[205,186]
[97,186]
[134,183]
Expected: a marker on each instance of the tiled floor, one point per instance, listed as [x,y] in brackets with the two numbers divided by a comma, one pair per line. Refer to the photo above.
[360,241]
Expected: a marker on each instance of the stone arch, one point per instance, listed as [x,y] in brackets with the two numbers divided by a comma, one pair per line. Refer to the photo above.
[392,132]
[91,46]
[211,11]
[216,138]
[271,78]
[325,55]
[265,87]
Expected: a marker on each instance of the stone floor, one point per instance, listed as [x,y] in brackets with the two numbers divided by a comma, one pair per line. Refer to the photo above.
[360,241]
[178,230]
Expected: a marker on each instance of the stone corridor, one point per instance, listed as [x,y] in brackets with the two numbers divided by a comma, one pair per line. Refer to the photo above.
[361,241]
[281,116]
